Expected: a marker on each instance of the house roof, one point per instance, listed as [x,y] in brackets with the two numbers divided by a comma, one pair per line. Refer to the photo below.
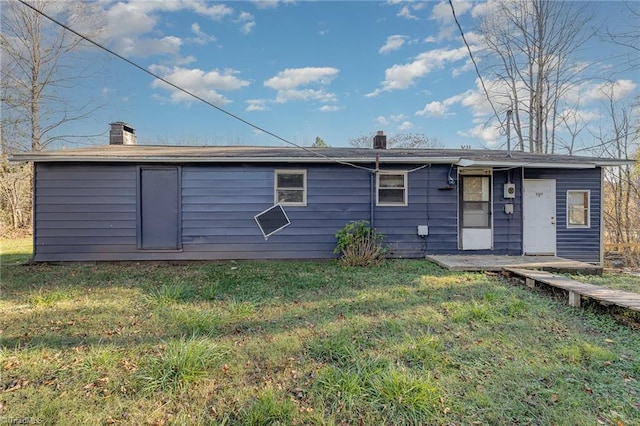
[264,154]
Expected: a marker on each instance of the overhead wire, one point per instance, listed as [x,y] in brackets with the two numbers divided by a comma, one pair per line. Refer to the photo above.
[238,118]
[189,93]
[473,60]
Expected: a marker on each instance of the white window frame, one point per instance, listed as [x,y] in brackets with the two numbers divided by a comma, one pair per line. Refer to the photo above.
[276,188]
[405,188]
[588,208]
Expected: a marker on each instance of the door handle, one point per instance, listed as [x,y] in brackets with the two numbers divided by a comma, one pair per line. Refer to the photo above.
[553,220]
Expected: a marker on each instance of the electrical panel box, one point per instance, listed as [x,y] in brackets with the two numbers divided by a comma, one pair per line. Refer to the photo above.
[423,230]
[509,190]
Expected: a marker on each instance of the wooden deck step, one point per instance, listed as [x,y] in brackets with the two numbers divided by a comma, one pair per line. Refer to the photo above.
[577,289]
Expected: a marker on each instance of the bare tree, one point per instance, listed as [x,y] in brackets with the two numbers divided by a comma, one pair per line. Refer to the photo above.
[621,198]
[398,141]
[574,124]
[40,63]
[621,139]
[530,46]
[629,39]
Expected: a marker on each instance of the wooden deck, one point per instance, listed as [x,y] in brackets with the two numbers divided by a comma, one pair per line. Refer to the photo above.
[481,263]
[577,290]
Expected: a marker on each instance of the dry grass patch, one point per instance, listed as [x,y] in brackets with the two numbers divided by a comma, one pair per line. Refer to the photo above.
[405,343]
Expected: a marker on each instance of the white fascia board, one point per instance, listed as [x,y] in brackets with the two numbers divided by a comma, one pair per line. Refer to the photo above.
[614,163]
[533,165]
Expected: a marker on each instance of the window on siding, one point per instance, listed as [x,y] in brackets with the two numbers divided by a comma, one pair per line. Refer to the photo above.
[578,209]
[392,189]
[290,187]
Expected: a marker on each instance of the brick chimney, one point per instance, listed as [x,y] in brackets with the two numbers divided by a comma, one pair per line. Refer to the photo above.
[380,140]
[122,134]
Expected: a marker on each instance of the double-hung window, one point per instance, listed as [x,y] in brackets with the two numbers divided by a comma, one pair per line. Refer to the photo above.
[578,209]
[290,187]
[392,189]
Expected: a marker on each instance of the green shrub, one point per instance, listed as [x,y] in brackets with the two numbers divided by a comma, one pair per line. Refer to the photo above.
[359,244]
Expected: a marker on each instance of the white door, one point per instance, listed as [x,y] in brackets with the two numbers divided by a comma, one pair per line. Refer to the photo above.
[475,212]
[539,216]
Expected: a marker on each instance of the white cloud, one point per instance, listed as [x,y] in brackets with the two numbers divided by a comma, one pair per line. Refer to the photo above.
[482,9]
[289,83]
[580,105]
[184,60]
[200,36]
[215,11]
[394,42]
[269,4]
[439,109]
[457,71]
[489,133]
[433,109]
[287,95]
[137,17]
[256,105]
[396,119]
[265,4]
[127,23]
[329,108]
[406,125]
[247,22]
[591,91]
[405,12]
[128,19]
[419,5]
[203,84]
[441,12]
[294,77]
[573,117]
[382,120]
[247,27]
[400,77]
[144,47]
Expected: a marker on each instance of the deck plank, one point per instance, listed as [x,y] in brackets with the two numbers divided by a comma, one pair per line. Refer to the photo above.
[496,263]
[625,299]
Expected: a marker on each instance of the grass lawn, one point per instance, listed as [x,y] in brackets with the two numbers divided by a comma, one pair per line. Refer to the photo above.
[615,280]
[15,251]
[261,343]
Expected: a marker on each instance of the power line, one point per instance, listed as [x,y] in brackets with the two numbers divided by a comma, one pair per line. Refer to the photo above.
[193,95]
[475,64]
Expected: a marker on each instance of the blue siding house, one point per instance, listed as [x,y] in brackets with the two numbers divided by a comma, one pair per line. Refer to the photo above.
[126,201]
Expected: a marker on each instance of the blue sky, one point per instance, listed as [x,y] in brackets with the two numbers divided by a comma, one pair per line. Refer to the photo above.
[301,69]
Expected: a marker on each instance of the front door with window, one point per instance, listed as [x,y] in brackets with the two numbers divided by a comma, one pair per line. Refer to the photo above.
[475,212]
[539,216]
